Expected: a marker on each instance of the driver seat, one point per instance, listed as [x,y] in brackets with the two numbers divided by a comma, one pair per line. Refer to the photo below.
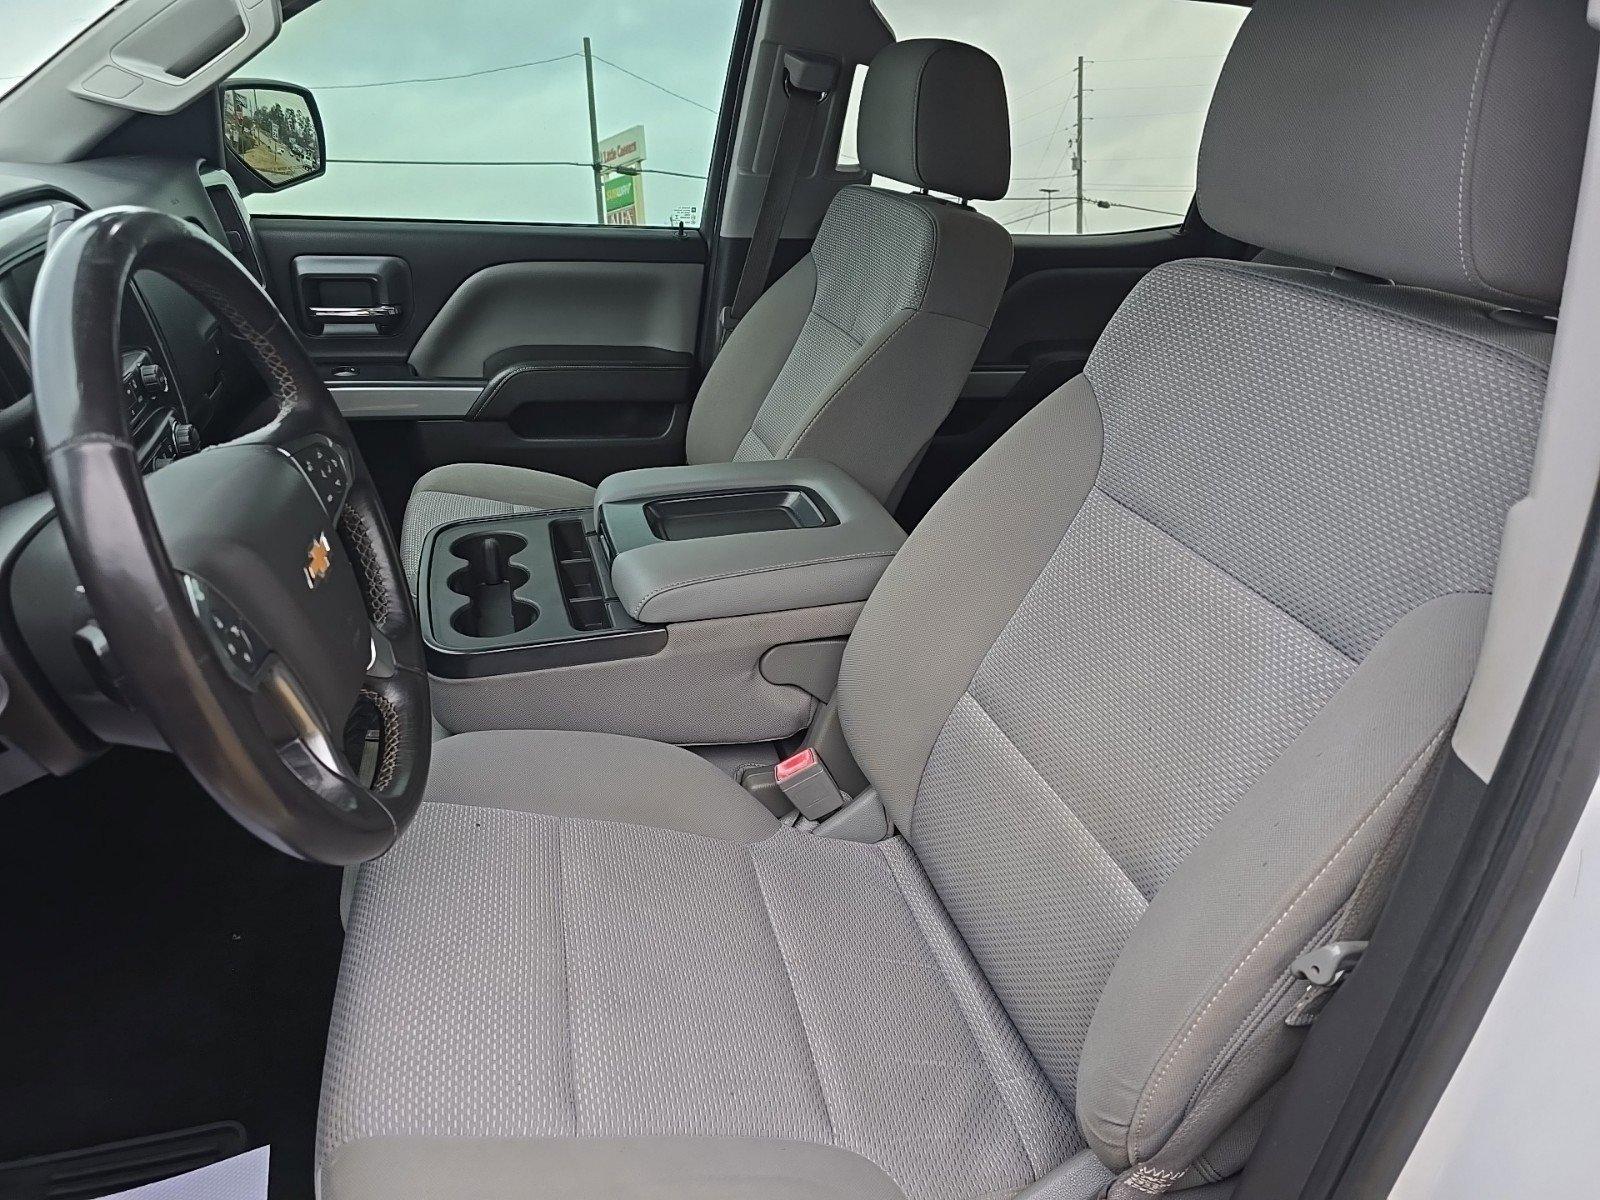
[1200,628]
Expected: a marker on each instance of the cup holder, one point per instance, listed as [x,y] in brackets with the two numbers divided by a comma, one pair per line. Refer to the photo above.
[489,582]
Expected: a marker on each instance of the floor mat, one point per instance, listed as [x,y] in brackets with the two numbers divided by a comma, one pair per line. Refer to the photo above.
[118,1167]
[163,969]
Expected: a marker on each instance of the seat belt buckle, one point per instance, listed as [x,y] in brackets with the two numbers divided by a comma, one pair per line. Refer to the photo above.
[726,324]
[1323,969]
[805,782]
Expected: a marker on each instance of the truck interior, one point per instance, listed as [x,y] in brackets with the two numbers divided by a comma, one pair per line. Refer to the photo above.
[983,601]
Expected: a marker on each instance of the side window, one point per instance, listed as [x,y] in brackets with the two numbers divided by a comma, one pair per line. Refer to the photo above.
[536,111]
[1108,98]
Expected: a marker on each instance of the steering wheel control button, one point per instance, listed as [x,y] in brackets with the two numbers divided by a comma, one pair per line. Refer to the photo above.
[238,645]
[324,466]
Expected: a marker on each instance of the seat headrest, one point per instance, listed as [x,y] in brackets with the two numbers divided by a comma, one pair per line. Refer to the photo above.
[1437,143]
[933,114]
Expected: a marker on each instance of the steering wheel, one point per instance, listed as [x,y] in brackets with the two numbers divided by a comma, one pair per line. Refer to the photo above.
[249,596]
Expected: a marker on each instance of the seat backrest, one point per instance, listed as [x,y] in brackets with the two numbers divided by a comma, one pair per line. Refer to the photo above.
[1153,686]
[858,353]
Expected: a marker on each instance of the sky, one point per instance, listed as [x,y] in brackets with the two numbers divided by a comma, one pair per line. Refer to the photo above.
[535,112]
[1151,65]
[1151,68]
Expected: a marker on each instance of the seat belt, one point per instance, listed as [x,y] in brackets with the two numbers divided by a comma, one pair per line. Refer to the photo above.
[807,80]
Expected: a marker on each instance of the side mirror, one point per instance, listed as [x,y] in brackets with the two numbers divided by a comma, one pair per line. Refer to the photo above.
[273,133]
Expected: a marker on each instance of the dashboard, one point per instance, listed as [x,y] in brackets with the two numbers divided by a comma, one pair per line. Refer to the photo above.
[185,384]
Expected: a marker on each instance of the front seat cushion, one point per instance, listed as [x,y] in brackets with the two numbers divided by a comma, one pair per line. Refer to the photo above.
[639,952]
[462,491]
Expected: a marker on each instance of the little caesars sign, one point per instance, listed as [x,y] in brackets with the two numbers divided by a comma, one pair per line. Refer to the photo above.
[621,184]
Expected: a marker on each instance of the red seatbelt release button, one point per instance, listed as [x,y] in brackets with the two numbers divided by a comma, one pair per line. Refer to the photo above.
[805,782]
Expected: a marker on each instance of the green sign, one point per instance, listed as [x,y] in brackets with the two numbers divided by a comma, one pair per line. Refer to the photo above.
[624,200]
[619,192]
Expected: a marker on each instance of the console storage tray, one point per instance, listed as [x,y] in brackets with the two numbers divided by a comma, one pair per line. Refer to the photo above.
[719,514]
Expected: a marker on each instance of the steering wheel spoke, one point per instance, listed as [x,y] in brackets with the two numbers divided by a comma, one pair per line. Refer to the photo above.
[253,595]
[382,664]
[309,728]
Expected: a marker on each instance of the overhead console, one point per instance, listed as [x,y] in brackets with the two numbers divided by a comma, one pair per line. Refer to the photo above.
[673,590]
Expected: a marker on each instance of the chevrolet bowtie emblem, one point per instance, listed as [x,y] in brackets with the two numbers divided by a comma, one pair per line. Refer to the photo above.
[319,557]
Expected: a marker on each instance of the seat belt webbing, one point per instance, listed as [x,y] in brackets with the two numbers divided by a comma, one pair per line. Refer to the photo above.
[806,84]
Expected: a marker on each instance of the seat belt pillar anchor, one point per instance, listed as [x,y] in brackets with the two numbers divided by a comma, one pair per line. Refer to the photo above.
[811,74]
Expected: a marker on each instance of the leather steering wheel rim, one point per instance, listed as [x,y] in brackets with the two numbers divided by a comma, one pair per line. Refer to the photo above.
[243,590]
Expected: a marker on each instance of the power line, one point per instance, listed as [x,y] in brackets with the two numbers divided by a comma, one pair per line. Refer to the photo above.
[376,83]
[1165,58]
[1120,187]
[1145,87]
[1095,61]
[516,66]
[501,162]
[1047,83]
[1165,212]
[1040,138]
[1039,112]
[1039,212]
[1184,112]
[658,86]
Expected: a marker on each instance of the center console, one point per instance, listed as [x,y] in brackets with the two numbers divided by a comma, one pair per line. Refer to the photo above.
[693,604]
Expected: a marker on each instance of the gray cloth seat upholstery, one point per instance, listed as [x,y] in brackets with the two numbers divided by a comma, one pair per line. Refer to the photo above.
[1204,621]
[856,354]
[669,963]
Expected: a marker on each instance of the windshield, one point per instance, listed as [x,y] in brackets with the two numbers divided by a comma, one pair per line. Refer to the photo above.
[37,29]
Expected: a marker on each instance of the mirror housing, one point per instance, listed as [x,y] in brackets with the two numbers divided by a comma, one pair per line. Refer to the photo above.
[273,134]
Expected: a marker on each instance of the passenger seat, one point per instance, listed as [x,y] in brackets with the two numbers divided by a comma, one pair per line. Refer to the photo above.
[857,354]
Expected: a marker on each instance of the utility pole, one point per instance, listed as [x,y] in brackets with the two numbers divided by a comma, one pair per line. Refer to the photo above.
[1049,208]
[594,135]
[1078,145]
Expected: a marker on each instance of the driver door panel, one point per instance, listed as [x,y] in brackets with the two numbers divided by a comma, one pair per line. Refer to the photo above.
[562,349]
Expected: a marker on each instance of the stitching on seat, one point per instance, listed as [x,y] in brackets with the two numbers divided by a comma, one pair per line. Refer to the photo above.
[1184,548]
[744,574]
[1251,274]
[1044,565]
[794,998]
[1034,1165]
[845,383]
[1142,1111]
[1065,807]
[1474,110]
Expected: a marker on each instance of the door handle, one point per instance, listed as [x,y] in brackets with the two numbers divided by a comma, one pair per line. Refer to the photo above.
[365,312]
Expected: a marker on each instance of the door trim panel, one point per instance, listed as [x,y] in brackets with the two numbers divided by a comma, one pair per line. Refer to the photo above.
[442,256]
[560,304]
[418,401]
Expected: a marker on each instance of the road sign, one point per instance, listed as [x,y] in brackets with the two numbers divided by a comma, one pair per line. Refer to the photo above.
[625,149]
[621,185]
[624,200]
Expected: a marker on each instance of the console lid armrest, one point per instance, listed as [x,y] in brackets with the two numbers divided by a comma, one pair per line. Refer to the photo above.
[665,576]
